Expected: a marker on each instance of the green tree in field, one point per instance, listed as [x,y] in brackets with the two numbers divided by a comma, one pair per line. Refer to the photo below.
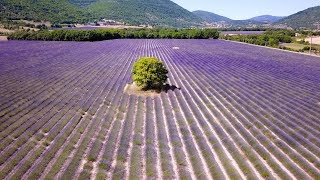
[149,73]
[273,42]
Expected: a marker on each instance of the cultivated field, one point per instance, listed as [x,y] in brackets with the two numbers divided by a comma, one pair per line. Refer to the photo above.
[294,46]
[243,112]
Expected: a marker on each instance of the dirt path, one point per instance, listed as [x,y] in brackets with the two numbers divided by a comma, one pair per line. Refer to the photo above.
[315,40]
[3,38]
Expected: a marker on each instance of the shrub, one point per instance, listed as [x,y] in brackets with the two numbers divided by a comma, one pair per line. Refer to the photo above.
[307,48]
[149,73]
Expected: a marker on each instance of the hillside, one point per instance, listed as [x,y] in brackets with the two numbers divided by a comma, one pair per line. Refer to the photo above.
[211,17]
[82,3]
[267,18]
[303,19]
[153,12]
[245,23]
[46,10]
[215,18]
[135,12]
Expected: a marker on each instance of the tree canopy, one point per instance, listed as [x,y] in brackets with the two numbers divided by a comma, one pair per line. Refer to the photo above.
[149,73]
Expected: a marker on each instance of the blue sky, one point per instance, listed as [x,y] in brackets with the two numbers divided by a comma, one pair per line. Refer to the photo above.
[244,9]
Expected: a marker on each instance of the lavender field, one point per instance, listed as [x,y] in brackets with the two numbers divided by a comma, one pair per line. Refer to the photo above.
[243,112]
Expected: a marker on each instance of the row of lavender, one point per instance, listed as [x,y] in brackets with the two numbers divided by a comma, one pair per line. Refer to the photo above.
[243,112]
[216,80]
[46,117]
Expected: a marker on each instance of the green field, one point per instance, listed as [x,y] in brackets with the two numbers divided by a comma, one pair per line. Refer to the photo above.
[294,46]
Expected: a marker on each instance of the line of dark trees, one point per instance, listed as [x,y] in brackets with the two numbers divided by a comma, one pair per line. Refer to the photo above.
[308,33]
[244,29]
[106,34]
[270,38]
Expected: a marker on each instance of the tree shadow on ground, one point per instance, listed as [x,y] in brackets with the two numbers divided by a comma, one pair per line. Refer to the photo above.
[168,87]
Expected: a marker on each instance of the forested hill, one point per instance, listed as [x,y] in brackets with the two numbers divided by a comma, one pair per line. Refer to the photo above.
[211,17]
[303,19]
[154,12]
[134,12]
[59,11]
[215,18]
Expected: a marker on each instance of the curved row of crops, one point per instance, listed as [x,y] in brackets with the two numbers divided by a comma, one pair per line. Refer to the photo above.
[242,112]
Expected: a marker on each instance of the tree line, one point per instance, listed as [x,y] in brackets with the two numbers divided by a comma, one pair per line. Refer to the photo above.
[106,34]
[270,38]
[244,29]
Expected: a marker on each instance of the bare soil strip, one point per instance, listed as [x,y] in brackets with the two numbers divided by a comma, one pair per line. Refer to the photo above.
[133,89]
[3,38]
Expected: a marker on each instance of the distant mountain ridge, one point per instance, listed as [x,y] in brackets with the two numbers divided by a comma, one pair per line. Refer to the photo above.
[303,19]
[267,18]
[211,17]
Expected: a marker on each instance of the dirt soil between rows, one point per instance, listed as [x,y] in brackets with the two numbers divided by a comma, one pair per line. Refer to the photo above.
[133,89]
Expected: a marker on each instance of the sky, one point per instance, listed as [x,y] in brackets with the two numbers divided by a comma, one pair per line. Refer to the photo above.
[245,9]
